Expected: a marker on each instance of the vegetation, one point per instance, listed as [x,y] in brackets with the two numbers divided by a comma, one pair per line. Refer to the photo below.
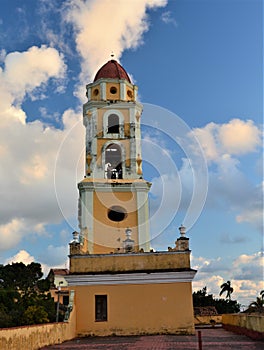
[226,287]
[223,306]
[258,305]
[24,296]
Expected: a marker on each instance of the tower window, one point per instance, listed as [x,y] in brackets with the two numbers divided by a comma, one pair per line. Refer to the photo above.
[113,162]
[129,94]
[113,90]
[113,124]
[117,214]
[95,92]
[100,308]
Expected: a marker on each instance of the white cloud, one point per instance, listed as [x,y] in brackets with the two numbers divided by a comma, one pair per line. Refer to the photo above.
[26,71]
[11,233]
[167,18]
[207,138]
[29,151]
[224,145]
[56,254]
[103,27]
[22,256]
[245,261]
[237,137]
[30,195]
[245,273]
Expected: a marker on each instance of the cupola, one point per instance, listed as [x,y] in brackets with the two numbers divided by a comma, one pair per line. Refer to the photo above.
[112,84]
[112,70]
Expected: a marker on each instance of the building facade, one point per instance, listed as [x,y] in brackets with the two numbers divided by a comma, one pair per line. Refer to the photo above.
[120,285]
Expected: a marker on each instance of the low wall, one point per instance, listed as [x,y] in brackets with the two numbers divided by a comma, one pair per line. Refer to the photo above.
[250,325]
[207,320]
[37,336]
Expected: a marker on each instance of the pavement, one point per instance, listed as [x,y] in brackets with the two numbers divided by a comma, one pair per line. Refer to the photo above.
[212,339]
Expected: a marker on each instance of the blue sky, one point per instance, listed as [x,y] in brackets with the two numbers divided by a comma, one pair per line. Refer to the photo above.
[199,69]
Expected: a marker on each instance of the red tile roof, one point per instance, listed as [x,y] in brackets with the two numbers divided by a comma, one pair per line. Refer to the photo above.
[112,69]
[60,271]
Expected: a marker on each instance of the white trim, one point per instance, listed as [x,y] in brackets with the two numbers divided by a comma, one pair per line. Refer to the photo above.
[131,278]
[86,198]
[121,124]
[122,90]
[143,220]
[103,91]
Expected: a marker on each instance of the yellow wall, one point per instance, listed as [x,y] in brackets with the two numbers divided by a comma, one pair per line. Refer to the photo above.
[129,262]
[35,337]
[111,234]
[129,94]
[251,322]
[136,309]
[95,91]
[111,96]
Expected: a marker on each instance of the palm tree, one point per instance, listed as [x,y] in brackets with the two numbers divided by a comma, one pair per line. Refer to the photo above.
[226,287]
[257,305]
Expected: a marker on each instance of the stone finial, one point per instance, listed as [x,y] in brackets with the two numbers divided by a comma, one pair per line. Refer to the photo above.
[182,243]
[75,244]
[75,236]
[128,242]
[182,230]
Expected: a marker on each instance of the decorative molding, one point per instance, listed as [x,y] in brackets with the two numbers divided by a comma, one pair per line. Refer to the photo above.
[131,278]
[115,186]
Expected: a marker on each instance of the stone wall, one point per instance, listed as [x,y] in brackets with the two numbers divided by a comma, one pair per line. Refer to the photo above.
[37,336]
[116,263]
[250,325]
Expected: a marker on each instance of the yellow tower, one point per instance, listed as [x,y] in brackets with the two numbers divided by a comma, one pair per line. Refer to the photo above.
[113,196]
[134,290]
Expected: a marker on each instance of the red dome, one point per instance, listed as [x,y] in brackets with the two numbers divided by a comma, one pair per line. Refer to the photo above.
[112,69]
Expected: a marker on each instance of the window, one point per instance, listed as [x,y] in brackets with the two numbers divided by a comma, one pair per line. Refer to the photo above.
[113,162]
[113,124]
[100,308]
[113,90]
[65,300]
[95,92]
[116,213]
[129,94]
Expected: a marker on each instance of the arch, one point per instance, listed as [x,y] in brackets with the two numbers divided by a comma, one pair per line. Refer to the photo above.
[113,124]
[114,121]
[113,157]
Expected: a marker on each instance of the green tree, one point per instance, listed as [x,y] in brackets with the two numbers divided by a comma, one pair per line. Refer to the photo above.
[5,317]
[223,306]
[258,305]
[18,276]
[21,291]
[226,287]
[35,314]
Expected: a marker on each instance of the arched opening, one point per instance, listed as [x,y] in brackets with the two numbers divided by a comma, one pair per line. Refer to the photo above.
[113,124]
[113,162]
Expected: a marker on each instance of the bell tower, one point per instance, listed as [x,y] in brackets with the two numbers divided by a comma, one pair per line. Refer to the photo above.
[113,196]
